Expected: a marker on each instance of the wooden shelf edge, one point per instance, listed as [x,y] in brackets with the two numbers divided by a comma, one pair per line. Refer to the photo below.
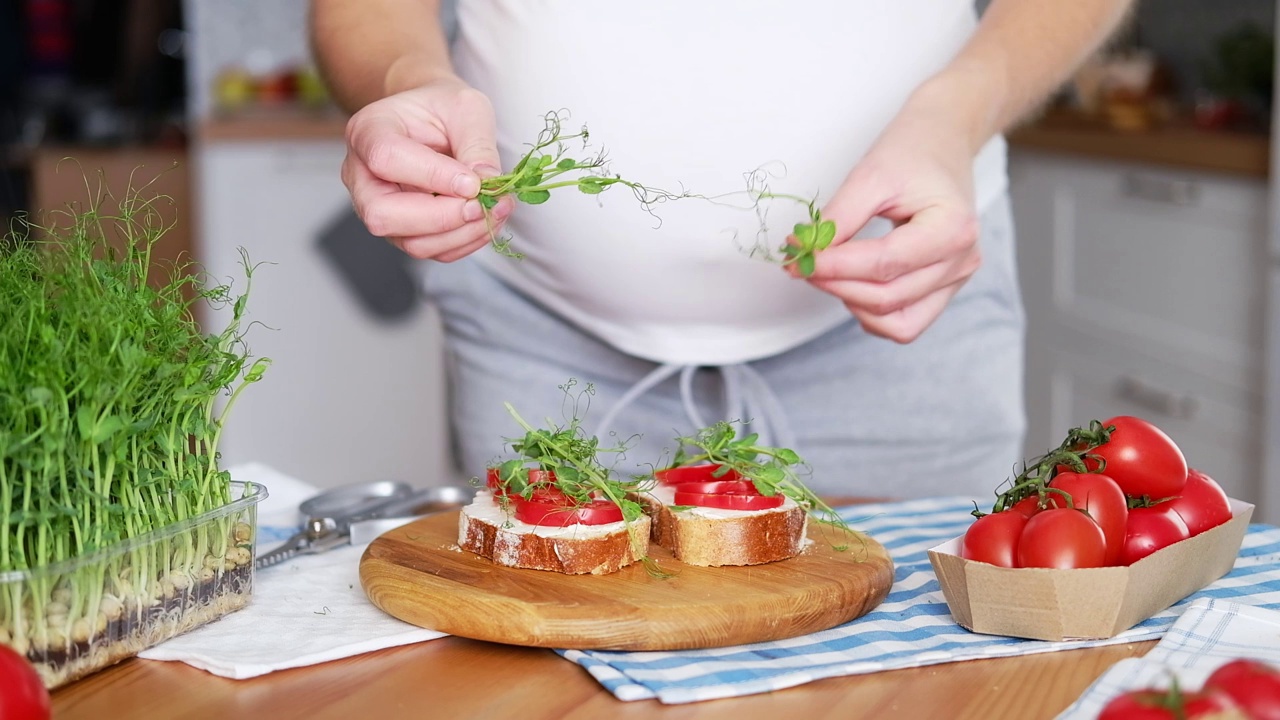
[285,126]
[1180,147]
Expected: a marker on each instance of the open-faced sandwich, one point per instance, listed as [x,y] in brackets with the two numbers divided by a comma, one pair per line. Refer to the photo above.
[731,501]
[556,507]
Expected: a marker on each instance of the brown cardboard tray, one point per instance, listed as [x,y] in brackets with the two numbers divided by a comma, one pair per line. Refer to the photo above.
[1087,603]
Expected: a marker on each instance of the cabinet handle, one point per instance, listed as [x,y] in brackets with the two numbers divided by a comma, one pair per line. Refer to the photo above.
[1158,189]
[1140,392]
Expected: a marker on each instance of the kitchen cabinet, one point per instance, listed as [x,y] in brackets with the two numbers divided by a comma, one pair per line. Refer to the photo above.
[1145,290]
[348,398]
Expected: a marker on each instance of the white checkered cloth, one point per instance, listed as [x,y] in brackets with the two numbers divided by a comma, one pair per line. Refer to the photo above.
[913,626]
[1210,633]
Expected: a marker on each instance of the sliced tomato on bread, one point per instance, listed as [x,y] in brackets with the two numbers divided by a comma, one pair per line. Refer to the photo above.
[728,501]
[696,473]
[715,486]
[554,509]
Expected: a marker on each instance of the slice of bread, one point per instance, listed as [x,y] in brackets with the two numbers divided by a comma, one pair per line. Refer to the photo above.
[712,537]
[487,529]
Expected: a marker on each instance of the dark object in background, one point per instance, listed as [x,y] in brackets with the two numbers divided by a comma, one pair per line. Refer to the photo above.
[379,275]
[1242,67]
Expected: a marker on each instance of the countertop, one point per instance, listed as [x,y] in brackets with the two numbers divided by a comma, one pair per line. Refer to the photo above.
[1175,144]
[457,679]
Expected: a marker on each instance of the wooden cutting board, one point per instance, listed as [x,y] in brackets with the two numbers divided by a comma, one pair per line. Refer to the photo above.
[417,573]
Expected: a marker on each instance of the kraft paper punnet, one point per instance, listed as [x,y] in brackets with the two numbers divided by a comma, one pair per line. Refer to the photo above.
[1086,603]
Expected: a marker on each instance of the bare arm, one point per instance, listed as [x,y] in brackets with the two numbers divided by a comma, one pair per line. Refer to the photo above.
[369,49]
[919,172]
[1022,51]
[420,139]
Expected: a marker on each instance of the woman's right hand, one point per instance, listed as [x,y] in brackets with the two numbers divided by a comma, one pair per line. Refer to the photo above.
[413,167]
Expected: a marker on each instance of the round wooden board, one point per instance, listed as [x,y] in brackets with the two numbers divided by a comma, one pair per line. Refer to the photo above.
[418,574]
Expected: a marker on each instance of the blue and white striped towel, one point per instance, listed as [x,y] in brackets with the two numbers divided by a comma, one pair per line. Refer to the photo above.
[1207,635]
[912,627]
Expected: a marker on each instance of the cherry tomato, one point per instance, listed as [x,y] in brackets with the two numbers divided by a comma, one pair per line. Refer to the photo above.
[1253,685]
[549,510]
[728,501]
[1027,507]
[696,473]
[22,693]
[994,538]
[1102,498]
[1203,504]
[1062,538]
[1167,705]
[1150,529]
[1142,459]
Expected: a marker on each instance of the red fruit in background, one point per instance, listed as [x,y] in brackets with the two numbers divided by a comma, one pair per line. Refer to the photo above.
[1203,504]
[1142,459]
[1253,685]
[994,538]
[1150,529]
[22,692]
[1062,538]
[1027,507]
[1102,499]
[1169,705]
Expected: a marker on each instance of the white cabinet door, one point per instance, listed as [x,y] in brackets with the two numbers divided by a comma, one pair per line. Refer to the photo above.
[1204,418]
[347,399]
[1145,292]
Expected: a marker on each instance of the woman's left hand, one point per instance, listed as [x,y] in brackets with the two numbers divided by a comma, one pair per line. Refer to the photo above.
[918,174]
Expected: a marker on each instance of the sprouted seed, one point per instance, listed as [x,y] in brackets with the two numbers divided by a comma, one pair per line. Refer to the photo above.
[108,429]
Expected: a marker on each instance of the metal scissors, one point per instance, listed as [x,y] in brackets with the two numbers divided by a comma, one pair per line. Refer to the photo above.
[332,515]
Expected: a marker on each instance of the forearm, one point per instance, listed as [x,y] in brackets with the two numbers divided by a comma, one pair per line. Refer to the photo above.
[1022,51]
[369,49]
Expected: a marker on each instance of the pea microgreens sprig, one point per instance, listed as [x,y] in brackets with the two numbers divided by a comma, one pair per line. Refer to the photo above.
[574,458]
[1075,453]
[811,237]
[548,165]
[771,469]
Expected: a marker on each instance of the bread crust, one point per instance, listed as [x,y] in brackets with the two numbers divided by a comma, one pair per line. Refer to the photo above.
[595,555]
[749,539]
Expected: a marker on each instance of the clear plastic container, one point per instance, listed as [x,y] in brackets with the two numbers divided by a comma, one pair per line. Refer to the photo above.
[77,616]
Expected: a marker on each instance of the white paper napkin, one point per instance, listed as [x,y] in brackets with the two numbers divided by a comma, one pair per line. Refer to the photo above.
[1209,633]
[307,610]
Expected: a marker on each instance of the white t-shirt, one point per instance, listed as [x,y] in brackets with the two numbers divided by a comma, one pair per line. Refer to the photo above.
[693,94]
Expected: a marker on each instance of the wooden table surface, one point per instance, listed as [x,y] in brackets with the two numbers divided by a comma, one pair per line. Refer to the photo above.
[457,678]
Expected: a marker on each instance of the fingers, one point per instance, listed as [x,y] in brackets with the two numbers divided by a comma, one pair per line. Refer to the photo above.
[458,242]
[382,145]
[932,236]
[459,253]
[413,168]
[473,133]
[862,197]
[897,285]
[881,299]
[907,324]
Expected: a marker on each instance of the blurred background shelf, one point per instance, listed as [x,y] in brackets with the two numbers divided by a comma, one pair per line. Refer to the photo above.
[283,125]
[1176,145]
